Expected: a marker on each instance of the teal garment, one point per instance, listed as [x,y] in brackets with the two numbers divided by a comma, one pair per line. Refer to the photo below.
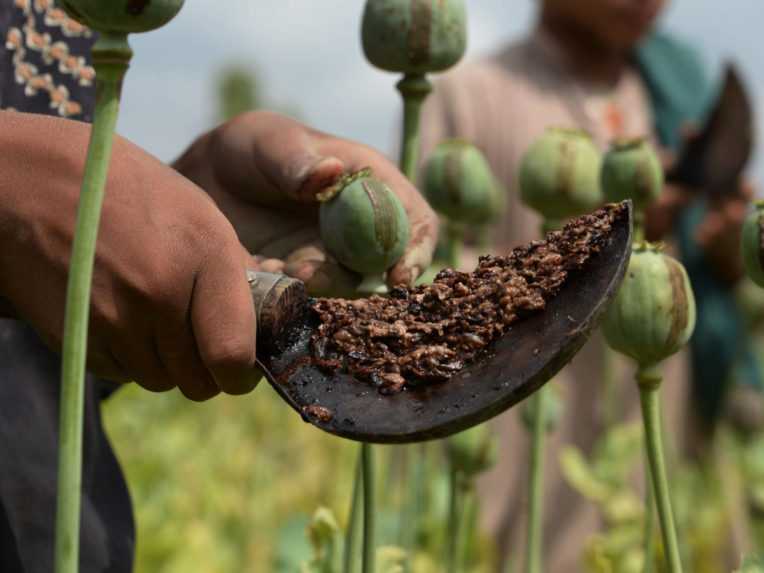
[681,93]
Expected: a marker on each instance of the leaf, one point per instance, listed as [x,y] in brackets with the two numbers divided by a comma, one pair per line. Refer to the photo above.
[752,564]
[580,475]
[292,548]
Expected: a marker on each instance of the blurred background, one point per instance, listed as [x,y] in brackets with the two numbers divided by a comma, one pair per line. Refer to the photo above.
[230,485]
[308,61]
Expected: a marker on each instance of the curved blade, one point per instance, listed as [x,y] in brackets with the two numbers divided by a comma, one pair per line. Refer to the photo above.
[714,160]
[530,354]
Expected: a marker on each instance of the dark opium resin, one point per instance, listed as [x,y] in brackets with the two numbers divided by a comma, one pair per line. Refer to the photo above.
[428,333]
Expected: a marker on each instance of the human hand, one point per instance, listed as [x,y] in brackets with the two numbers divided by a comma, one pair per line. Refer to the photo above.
[661,214]
[719,233]
[264,171]
[170,302]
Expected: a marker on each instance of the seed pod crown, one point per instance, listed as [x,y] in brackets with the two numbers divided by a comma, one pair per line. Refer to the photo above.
[414,36]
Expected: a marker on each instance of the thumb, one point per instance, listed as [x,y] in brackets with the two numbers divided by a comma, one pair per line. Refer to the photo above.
[310,176]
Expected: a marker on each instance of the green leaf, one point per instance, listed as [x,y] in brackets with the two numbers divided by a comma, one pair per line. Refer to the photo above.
[752,564]
[580,475]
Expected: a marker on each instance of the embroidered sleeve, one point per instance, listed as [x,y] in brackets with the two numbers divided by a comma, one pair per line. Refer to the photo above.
[44,65]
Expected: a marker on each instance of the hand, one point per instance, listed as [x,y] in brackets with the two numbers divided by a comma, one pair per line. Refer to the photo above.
[661,214]
[264,171]
[719,233]
[170,302]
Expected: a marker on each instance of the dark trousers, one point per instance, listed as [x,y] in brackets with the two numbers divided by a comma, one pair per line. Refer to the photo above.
[29,395]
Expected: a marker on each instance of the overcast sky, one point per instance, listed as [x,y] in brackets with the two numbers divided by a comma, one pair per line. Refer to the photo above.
[308,57]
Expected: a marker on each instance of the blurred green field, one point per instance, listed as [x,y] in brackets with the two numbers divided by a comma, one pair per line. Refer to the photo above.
[213,484]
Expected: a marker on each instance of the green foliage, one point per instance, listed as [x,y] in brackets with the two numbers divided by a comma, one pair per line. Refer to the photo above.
[472,451]
[752,564]
[608,479]
[215,484]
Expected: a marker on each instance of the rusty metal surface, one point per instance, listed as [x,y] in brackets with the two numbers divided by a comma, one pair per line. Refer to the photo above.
[714,160]
[534,350]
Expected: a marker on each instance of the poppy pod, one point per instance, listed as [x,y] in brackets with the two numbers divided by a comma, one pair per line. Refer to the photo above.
[460,185]
[363,224]
[752,246]
[653,315]
[414,36]
[123,16]
[560,174]
[632,170]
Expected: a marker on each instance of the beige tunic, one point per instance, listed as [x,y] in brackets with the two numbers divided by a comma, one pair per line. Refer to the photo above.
[502,104]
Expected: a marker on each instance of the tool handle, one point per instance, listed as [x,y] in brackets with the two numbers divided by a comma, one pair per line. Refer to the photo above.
[279,301]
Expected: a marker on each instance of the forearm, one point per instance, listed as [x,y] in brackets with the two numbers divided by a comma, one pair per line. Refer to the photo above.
[33,150]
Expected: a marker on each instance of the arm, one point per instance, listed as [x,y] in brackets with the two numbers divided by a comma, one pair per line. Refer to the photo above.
[170,303]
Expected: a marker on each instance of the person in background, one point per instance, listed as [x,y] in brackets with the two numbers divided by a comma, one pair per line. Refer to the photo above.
[597,65]
[170,304]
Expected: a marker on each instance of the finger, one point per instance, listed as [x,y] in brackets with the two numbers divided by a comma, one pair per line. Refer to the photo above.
[272,266]
[138,358]
[267,157]
[223,321]
[418,254]
[102,364]
[179,355]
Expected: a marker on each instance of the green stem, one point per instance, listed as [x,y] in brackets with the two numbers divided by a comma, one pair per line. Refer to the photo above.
[455,506]
[468,530]
[414,89]
[534,538]
[649,531]
[111,57]
[639,226]
[610,388]
[373,283]
[455,237]
[352,525]
[649,383]
[413,483]
[367,471]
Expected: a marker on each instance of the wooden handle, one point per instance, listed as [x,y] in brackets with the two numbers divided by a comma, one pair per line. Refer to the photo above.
[279,301]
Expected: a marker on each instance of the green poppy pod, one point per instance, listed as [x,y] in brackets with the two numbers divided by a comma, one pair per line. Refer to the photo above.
[472,451]
[560,174]
[414,36]
[632,170]
[363,224]
[459,183]
[653,314]
[751,244]
[123,16]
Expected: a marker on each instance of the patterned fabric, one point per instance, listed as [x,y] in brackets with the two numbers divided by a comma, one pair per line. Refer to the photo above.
[44,69]
[44,65]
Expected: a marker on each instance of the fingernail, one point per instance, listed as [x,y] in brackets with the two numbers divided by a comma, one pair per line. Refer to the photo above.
[415,272]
